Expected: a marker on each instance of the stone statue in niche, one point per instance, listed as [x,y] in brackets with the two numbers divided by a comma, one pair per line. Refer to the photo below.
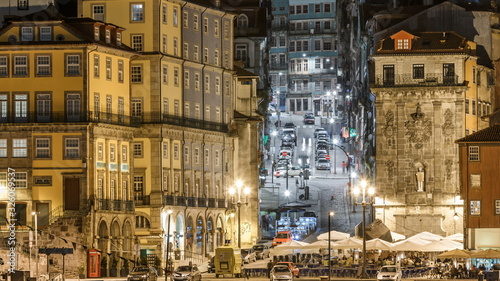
[420,176]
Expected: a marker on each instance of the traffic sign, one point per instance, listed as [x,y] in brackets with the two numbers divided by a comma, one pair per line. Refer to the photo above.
[284,153]
[327,157]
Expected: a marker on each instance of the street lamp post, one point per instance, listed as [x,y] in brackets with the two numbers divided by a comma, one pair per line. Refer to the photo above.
[167,259]
[236,199]
[330,215]
[335,142]
[371,191]
[36,242]
[274,134]
[351,183]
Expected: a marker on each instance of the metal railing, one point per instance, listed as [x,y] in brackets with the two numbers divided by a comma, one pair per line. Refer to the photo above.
[65,117]
[158,118]
[174,200]
[408,80]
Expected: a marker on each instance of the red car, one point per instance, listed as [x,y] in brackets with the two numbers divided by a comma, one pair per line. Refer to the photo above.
[293,268]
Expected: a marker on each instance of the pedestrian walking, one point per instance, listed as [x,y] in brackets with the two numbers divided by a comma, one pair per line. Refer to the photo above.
[343,167]
[269,267]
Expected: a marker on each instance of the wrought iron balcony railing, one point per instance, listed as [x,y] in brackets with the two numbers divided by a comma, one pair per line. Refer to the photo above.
[408,80]
[174,200]
[65,117]
[158,118]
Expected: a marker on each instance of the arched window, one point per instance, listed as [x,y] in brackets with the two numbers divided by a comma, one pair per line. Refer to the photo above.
[141,222]
[242,21]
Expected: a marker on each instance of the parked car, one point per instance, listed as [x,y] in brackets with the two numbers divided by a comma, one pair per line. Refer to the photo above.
[211,265]
[282,237]
[390,272]
[295,270]
[186,273]
[320,132]
[322,164]
[294,171]
[262,251]
[281,273]
[309,118]
[248,255]
[280,172]
[289,125]
[143,273]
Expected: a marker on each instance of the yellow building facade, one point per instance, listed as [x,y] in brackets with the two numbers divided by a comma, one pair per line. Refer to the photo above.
[67,132]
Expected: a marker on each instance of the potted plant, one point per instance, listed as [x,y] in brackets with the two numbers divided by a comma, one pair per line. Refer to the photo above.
[113,269]
[81,272]
[104,267]
[125,269]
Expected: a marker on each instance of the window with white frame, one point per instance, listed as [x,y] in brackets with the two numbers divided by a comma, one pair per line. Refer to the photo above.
[124,153]
[217,85]
[176,16]
[22,4]
[475,180]
[21,65]
[195,23]
[45,33]
[165,150]
[118,38]
[42,146]
[136,73]
[108,68]
[186,154]
[217,114]
[216,57]
[96,33]
[136,107]
[186,50]
[205,55]
[26,33]
[137,12]
[98,12]
[72,147]
[205,25]
[137,42]
[21,107]
[327,7]
[138,187]
[197,156]
[474,153]
[164,14]
[186,79]
[112,152]
[137,149]
[96,66]
[120,71]
[4,66]
[241,52]
[3,148]
[165,106]
[217,158]
[216,28]
[176,48]
[165,74]
[21,180]
[197,111]
[186,110]
[176,76]
[19,148]
[196,53]
[177,111]
[176,151]
[164,43]
[107,36]
[207,113]
[242,21]
[99,151]
[73,64]
[43,65]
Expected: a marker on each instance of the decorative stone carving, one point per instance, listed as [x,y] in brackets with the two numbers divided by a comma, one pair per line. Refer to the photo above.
[448,168]
[448,126]
[390,169]
[419,129]
[388,129]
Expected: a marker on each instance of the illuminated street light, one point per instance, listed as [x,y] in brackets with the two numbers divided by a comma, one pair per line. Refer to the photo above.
[236,197]
[363,191]
[273,134]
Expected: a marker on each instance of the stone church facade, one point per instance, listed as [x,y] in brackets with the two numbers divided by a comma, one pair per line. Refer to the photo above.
[426,90]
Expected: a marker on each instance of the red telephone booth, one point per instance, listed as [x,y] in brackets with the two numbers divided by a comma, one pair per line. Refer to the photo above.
[93,263]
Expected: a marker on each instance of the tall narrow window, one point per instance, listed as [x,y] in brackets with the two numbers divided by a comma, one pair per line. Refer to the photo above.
[21,107]
[72,147]
[389,75]
[108,68]
[120,71]
[164,14]
[195,23]
[474,153]
[43,107]
[73,64]
[121,110]
[165,106]
[448,73]
[138,188]
[176,46]
[4,66]
[136,74]
[96,66]
[137,42]
[3,149]
[98,12]
[73,107]
[165,74]
[176,16]
[418,71]
[136,107]
[137,12]
[109,107]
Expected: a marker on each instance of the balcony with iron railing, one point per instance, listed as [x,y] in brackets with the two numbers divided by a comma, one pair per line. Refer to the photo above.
[65,117]
[174,200]
[407,80]
[114,205]
[278,66]
[158,118]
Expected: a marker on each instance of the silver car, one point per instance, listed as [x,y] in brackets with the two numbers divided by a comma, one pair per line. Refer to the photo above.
[186,273]
[281,273]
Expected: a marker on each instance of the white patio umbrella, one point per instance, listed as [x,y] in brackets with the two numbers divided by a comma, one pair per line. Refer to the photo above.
[319,245]
[378,244]
[349,243]
[427,236]
[334,235]
[455,254]
[459,237]
[294,245]
[441,245]
[408,245]
[396,236]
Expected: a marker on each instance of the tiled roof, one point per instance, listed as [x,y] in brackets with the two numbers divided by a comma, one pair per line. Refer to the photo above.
[490,134]
[427,42]
[243,72]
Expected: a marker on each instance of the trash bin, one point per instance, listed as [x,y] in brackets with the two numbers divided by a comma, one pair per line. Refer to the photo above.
[323,278]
